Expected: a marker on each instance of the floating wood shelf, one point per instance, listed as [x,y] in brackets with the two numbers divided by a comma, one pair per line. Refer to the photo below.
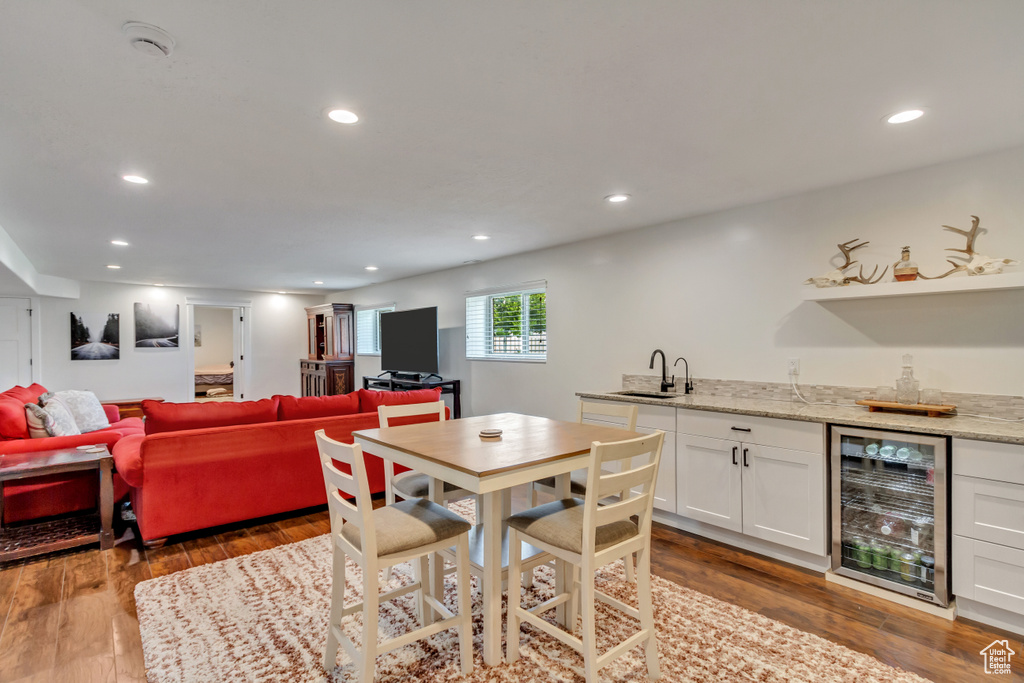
[931,410]
[959,283]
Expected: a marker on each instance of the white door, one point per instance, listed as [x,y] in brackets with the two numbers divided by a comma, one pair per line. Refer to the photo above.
[708,481]
[238,331]
[15,343]
[784,497]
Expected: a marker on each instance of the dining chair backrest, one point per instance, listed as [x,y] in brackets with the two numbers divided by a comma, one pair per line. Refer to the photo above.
[341,484]
[638,459]
[387,413]
[625,411]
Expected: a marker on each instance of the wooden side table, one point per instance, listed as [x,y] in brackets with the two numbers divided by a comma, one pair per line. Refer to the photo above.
[25,540]
[130,407]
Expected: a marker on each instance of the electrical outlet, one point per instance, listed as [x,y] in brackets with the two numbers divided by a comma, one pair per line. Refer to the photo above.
[794,366]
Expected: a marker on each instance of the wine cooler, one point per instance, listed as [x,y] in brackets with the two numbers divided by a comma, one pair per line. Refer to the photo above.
[889,514]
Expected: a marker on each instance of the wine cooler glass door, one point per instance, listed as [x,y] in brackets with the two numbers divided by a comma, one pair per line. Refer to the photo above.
[887,489]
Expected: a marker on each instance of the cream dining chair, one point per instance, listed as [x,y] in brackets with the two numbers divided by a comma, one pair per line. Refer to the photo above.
[578,479]
[413,484]
[407,531]
[584,534]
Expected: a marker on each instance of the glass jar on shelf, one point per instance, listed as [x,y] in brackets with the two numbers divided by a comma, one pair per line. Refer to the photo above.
[905,270]
[908,389]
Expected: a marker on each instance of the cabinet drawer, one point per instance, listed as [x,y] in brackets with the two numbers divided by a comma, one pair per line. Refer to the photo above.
[989,460]
[764,431]
[988,573]
[650,417]
[988,511]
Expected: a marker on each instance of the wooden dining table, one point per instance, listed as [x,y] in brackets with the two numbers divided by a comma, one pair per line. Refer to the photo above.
[529,448]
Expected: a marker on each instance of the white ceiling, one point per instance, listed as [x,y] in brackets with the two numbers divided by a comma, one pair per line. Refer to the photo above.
[511,118]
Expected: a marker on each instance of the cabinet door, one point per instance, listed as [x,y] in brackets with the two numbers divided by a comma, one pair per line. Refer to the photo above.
[708,484]
[989,573]
[784,497]
[989,511]
[665,485]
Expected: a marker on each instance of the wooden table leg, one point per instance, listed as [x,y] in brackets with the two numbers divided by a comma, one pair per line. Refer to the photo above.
[106,503]
[491,583]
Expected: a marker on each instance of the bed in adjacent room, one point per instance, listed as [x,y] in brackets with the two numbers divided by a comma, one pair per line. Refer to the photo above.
[213,377]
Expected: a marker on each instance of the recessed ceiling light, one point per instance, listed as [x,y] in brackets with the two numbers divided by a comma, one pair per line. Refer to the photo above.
[119,243]
[282,292]
[472,261]
[481,237]
[342,116]
[318,282]
[370,268]
[137,179]
[157,284]
[904,116]
[113,267]
[616,198]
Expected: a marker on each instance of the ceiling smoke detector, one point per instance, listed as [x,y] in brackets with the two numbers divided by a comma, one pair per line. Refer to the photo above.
[149,39]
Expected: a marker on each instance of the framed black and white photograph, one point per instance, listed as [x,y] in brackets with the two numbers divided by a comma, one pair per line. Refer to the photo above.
[197,339]
[156,325]
[95,336]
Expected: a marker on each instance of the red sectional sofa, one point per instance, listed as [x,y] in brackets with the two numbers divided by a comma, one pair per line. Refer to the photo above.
[201,465]
[61,493]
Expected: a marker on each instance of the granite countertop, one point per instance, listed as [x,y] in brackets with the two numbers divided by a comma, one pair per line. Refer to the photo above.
[857,416]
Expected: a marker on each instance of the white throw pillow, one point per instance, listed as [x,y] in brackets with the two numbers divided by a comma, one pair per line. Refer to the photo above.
[40,423]
[84,407]
[63,423]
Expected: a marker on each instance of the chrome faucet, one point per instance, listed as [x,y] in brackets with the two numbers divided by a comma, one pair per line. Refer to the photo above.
[687,384]
[666,384]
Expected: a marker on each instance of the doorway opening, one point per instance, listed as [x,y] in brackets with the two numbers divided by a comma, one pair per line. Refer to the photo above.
[217,352]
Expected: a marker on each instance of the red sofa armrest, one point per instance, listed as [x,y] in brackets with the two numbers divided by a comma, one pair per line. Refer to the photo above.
[128,459]
[51,442]
[113,413]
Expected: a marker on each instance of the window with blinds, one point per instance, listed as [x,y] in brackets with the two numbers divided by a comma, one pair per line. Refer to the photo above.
[368,329]
[507,323]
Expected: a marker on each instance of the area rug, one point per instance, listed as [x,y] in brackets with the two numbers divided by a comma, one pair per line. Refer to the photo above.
[263,617]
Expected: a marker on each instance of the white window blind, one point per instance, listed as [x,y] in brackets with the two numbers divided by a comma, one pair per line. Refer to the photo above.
[368,328]
[507,323]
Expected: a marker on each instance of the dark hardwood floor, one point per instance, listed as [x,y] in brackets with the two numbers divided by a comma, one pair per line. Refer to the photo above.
[71,617]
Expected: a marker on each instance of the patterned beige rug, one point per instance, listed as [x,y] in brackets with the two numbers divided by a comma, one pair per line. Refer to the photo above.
[263,617]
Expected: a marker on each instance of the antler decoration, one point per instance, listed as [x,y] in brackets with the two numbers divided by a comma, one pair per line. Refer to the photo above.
[977,264]
[838,278]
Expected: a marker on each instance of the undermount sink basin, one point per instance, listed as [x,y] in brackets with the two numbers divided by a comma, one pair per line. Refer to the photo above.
[646,394]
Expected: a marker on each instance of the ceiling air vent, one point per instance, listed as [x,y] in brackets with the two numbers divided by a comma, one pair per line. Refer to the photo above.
[148,39]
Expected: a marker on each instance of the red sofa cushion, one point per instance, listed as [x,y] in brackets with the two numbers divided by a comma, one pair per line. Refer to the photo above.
[370,400]
[12,410]
[172,417]
[293,408]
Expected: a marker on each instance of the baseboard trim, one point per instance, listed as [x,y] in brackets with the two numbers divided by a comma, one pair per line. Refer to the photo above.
[755,545]
[991,616]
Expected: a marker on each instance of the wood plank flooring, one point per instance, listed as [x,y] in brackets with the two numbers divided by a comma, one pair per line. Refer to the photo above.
[71,617]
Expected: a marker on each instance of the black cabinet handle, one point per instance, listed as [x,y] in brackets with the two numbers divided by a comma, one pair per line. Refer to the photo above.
[745,463]
[734,449]
[741,429]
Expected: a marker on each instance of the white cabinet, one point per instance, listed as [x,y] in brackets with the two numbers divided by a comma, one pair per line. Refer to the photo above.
[765,490]
[649,419]
[709,486]
[988,523]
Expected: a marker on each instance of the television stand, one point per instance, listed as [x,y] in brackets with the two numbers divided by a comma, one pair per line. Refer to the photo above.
[398,382]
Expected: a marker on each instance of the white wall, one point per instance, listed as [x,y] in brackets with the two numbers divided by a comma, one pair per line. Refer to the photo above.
[278,342]
[218,336]
[724,291]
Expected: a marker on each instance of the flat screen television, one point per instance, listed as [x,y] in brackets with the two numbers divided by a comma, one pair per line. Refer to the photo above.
[408,340]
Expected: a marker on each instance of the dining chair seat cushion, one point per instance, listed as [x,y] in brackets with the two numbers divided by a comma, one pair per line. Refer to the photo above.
[416,485]
[409,524]
[561,524]
[577,482]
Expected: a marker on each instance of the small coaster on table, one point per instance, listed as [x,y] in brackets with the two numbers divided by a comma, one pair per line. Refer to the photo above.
[490,433]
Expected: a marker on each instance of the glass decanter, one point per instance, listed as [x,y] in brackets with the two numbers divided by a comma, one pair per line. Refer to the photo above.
[908,389]
[905,270]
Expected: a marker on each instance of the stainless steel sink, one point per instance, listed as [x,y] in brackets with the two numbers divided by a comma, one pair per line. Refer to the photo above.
[647,394]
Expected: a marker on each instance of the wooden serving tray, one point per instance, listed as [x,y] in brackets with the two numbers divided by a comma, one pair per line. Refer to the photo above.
[932,411]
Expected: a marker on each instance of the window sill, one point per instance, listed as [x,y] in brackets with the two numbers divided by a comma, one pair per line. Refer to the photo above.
[512,359]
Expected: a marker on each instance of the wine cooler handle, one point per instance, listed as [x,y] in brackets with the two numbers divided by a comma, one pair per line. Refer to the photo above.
[745,463]
[740,429]
[734,449]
